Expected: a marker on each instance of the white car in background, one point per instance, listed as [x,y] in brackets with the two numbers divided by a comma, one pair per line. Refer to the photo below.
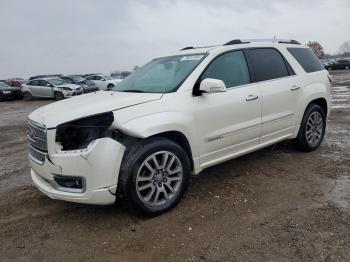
[104,82]
[49,88]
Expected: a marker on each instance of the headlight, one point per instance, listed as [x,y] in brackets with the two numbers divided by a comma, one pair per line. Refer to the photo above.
[66,88]
[78,134]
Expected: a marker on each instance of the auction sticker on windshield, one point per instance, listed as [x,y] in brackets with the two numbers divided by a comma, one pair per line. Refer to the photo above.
[191,58]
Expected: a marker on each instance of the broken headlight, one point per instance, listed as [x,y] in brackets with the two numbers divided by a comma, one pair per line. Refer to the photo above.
[78,134]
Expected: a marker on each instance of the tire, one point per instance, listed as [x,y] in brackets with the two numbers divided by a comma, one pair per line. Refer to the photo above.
[58,95]
[138,186]
[2,97]
[110,87]
[347,68]
[312,129]
[329,68]
[27,96]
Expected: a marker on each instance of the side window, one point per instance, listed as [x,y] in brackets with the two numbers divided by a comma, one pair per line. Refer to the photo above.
[231,68]
[34,83]
[267,64]
[43,83]
[307,59]
[90,78]
[97,78]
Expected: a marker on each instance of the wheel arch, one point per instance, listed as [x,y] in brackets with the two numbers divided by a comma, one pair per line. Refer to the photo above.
[181,140]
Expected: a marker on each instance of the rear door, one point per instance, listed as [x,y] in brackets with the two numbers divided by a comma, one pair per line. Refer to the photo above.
[34,88]
[280,91]
[228,122]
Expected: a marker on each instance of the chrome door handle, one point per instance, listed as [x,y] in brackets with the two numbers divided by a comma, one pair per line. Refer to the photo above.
[295,87]
[251,97]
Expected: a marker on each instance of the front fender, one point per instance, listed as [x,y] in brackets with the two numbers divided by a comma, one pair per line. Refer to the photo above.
[149,125]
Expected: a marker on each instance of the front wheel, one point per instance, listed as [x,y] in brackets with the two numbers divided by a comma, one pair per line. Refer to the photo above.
[58,95]
[154,176]
[312,128]
[347,67]
[110,87]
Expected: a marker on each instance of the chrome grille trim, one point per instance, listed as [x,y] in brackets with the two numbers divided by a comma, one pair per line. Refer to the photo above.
[37,141]
[36,155]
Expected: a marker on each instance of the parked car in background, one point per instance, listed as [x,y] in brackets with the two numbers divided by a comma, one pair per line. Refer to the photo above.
[50,88]
[118,77]
[87,85]
[45,76]
[176,116]
[104,82]
[340,64]
[15,82]
[8,92]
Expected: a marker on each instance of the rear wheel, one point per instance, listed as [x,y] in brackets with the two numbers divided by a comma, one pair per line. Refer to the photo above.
[312,128]
[58,95]
[27,96]
[154,176]
[347,67]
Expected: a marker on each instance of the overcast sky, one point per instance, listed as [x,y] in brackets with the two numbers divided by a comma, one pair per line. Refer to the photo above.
[83,36]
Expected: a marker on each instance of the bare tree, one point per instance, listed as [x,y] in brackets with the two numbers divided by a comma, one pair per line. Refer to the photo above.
[317,49]
[345,48]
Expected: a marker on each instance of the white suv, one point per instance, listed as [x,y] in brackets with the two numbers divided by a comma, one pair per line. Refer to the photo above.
[174,117]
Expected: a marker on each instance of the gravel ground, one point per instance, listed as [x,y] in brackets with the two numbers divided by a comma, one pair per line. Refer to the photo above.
[276,204]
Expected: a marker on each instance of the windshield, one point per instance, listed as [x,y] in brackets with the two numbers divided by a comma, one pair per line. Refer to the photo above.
[56,82]
[107,77]
[78,78]
[162,75]
[4,85]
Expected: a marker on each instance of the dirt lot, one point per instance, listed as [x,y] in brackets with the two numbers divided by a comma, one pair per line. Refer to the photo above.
[276,204]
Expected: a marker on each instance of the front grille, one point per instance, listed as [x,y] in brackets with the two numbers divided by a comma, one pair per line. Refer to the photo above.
[37,140]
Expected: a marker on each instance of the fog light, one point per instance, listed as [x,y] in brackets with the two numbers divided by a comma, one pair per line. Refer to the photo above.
[70,184]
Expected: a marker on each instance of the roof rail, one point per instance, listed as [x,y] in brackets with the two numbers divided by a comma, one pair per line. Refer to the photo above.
[236,42]
[187,48]
[274,40]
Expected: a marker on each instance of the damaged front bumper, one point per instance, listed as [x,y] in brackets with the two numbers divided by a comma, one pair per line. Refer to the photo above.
[96,167]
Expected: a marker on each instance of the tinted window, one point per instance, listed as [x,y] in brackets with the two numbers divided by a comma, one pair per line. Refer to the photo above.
[231,68]
[43,83]
[307,59]
[34,83]
[90,78]
[268,64]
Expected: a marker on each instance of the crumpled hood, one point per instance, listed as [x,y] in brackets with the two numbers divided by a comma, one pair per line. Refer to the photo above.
[72,86]
[86,105]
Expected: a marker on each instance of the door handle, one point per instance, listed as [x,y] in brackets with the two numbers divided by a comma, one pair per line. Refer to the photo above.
[295,87]
[251,97]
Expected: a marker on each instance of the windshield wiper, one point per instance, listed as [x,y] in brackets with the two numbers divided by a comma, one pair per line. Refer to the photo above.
[132,91]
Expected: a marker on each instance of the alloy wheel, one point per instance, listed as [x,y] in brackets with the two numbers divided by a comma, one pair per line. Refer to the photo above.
[314,128]
[159,178]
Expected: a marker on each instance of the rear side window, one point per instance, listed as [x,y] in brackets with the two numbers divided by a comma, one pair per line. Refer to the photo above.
[231,68]
[268,64]
[307,59]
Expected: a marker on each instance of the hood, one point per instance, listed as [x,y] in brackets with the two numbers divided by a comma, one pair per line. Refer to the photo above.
[116,81]
[86,105]
[72,86]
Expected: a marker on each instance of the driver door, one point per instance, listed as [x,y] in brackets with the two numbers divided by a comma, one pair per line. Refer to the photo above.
[228,122]
[46,89]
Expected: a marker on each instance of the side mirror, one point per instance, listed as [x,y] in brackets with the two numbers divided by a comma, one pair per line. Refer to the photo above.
[48,85]
[211,85]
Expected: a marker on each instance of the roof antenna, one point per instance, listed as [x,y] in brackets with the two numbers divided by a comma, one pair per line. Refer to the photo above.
[274,39]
